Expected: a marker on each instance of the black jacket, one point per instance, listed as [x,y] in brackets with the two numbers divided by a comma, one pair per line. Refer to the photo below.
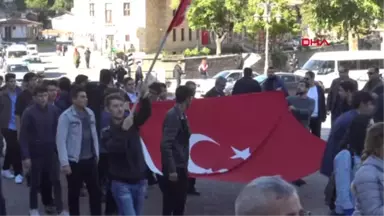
[333,96]
[126,161]
[246,85]
[322,115]
[214,93]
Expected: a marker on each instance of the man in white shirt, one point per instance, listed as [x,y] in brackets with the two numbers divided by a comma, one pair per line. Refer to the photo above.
[316,92]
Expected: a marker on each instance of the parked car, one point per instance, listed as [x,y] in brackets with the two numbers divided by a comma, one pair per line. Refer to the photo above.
[290,81]
[35,64]
[18,69]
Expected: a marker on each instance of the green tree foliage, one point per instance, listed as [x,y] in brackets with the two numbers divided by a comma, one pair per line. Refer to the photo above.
[37,4]
[254,18]
[217,16]
[64,5]
[342,15]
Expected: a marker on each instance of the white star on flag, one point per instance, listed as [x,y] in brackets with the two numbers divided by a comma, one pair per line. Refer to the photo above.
[244,154]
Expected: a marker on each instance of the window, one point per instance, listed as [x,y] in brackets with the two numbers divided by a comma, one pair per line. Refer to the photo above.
[235,76]
[91,9]
[288,78]
[127,38]
[351,64]
[182,34]
[108,13]
[127,9]
[174,34]
[190,34]
[366,64]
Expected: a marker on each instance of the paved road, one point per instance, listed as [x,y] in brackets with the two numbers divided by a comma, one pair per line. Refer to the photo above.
[217,197]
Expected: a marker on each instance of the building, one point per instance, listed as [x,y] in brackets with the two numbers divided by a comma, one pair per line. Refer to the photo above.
[19,29]
[130,24]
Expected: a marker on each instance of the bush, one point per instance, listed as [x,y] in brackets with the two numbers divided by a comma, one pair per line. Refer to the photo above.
[205,51]
[196,52]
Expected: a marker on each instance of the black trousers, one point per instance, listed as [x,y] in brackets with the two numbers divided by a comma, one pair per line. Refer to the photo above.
[3,210]
[13,152]
[191,184]
[87,62]
[84,171]
[45,167]
[175,193]
[110,204]
[46,187]
[315,126]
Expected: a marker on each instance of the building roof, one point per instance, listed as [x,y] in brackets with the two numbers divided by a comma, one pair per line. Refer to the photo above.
[18,21]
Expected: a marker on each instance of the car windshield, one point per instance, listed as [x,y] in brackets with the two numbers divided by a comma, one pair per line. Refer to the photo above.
[18,68]
[260,78]
[32,48]
[221,74]
[321,66]
[16,54]
[35,60]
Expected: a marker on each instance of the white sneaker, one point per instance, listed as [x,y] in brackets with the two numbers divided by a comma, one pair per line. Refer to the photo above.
[7,174]
[64,213]
[34,212]
[19,179]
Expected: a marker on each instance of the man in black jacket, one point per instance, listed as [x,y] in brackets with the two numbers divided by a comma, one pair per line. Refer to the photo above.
[177,72]
[126,164]
[319,114]
[334,102]
[246,84]
[175,153]
[218,89]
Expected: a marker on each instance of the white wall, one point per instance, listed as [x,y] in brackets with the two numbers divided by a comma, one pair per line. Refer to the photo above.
[121,25]
[20,31]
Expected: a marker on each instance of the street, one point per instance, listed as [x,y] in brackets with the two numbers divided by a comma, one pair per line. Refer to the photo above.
[217,198]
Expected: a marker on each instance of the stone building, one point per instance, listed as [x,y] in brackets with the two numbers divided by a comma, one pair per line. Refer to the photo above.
[127,24]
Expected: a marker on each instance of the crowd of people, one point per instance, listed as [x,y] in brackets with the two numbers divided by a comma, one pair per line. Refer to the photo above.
[89,132]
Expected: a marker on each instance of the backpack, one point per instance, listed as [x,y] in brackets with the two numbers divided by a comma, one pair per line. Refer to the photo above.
[330,188]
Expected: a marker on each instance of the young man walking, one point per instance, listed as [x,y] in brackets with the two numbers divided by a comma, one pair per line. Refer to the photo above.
[37,140]
[127,167]
[175,153]
[78,149]
[8,99]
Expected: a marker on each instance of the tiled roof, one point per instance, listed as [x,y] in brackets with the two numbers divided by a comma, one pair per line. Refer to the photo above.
[18,21]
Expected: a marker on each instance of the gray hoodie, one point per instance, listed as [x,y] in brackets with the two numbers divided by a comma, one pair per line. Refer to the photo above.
[368,187]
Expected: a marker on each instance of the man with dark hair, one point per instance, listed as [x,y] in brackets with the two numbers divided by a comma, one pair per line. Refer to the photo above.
[346,90]
[175,153]
[81,80]
[164,92]
[334,104]
[375,80]
[130,88]
[154,91]
[38,145]
[8,98]
[218,89]
[246,84]
[273,82]
[52,87]
[362,103]
[24,100]
[126,166]
[63,100]
[78,149]
[319,114]
[301,105]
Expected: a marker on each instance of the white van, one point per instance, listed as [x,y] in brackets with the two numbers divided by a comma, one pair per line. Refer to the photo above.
[32,49]
[16,51]
[326,65]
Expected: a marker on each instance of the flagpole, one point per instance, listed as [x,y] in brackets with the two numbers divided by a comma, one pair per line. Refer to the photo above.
[162,44]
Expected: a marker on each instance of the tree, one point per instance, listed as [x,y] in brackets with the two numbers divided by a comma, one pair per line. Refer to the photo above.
[20,5]
[289,18]
[64,5]
[344,16]
[37,4]
[217,16]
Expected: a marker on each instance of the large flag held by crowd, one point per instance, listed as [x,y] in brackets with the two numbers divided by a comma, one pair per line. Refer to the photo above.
[239,138]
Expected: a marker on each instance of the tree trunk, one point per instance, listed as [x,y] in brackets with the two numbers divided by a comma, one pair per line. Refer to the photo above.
[353,41]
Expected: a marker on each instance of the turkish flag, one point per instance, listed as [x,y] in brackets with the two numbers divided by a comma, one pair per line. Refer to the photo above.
[179,16]
[239,138]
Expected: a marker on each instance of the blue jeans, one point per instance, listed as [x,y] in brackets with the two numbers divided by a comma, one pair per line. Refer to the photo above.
[129,197]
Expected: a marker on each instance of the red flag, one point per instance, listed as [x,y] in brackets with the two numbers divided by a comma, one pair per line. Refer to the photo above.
[179,16]
[239,138]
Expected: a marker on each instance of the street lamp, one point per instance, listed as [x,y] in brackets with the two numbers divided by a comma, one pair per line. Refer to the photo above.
[267,17]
